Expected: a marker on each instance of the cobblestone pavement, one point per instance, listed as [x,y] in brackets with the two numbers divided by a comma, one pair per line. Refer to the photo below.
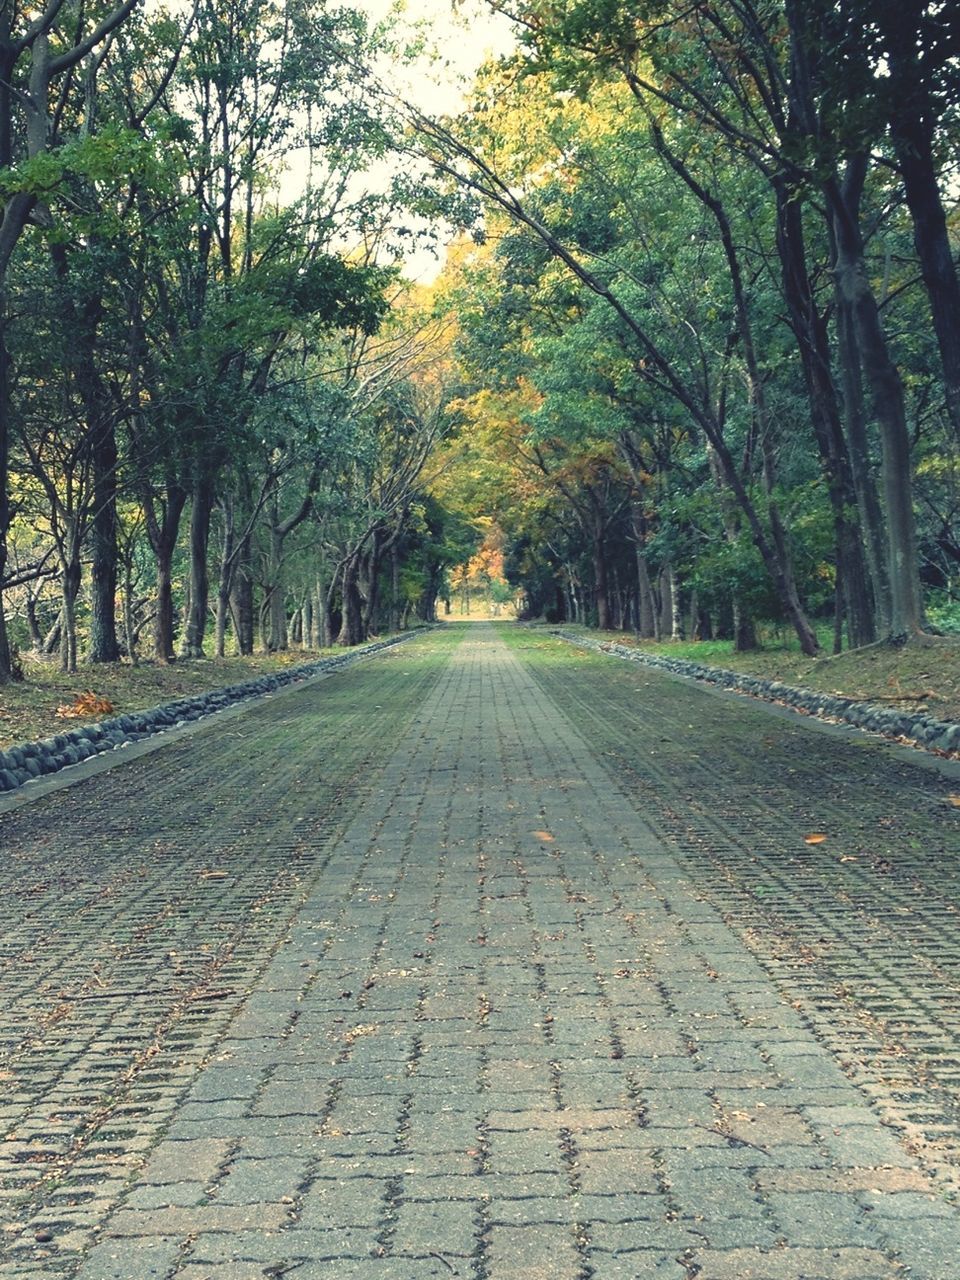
[495,962]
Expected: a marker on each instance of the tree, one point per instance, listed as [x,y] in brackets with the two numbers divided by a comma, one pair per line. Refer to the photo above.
[36,54]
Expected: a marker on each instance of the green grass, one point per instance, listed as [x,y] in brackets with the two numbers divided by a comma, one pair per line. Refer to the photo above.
[921,677]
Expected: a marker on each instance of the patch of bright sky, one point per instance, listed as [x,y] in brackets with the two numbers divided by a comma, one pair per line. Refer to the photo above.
[457,38]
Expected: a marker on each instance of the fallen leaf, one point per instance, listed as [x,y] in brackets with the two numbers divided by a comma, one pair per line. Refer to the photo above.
[87,703]
[815,837]
[544,835]
[954,800]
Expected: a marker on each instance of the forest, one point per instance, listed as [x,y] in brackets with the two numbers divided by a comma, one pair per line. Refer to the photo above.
[688,365]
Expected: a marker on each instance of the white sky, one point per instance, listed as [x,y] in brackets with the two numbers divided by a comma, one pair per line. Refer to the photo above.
[464,34]
[461,36]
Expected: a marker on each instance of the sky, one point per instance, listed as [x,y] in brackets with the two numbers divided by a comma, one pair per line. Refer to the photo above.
[465,35]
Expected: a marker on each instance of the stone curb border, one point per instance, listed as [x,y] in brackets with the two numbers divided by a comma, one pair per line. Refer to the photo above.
[31,760]
[919,730]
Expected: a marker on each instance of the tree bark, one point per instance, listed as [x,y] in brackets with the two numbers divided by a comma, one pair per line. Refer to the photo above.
[372,576]
[162,531]
[906,612]
[242,598]
[104,645]
[70,589]
[601,589]
[129,625]
[351,627]
[913,120]
[195,615]
[7,669]
[277,637]
[814,348]
[868,499]
[225,580]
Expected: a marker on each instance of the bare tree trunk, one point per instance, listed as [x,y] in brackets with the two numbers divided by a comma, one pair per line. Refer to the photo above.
[195,616]
[7,669]
[30,609]
[601,589]
[162,533]
[225,582]
[242,599]
[811,333]
[104,646]
[372,574]
[129,625]
[277,638]
[906,613]
[645,602]
[868,500]
[308,637]
[351,628]
[394,588]
[70,589]
[914,121]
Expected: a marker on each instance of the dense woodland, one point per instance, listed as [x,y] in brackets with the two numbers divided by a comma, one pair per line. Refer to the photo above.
[692,366]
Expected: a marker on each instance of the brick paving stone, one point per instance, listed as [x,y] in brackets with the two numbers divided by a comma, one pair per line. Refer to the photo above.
[465,1010]
[636,1264]
[793,1264]
[444,1227]
[115,1260]
[196,1160]
[537,1252]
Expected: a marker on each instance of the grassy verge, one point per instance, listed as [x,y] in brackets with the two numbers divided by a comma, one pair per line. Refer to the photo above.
[31,709]
[923,678]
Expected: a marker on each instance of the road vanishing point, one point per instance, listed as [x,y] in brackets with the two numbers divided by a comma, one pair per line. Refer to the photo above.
[487,958]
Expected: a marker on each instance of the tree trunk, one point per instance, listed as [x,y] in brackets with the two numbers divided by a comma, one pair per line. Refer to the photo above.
[372,575]
[104,646]
[195,615]
[277,638]
[351,627]
[242,598]
[162,532]
[324,604]
[744,628]
[676,617]
[225,580]
[814,348]
[601,589]
[394,589]
[70,589]
[645,602]
[913,118]
[36,635]
[666,601]
[129,625]
[7,668]
[868,500]
[906,615]
[807,55]
[163,625]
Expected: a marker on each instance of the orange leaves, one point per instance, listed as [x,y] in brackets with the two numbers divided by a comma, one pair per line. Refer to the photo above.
[544,837]
[87,703]
[815,837]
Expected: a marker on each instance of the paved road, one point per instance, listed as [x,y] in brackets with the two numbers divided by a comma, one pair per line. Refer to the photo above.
[499,961]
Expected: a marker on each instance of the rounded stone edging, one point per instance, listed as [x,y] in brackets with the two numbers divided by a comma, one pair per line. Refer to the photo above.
[29,760]
[924,731]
